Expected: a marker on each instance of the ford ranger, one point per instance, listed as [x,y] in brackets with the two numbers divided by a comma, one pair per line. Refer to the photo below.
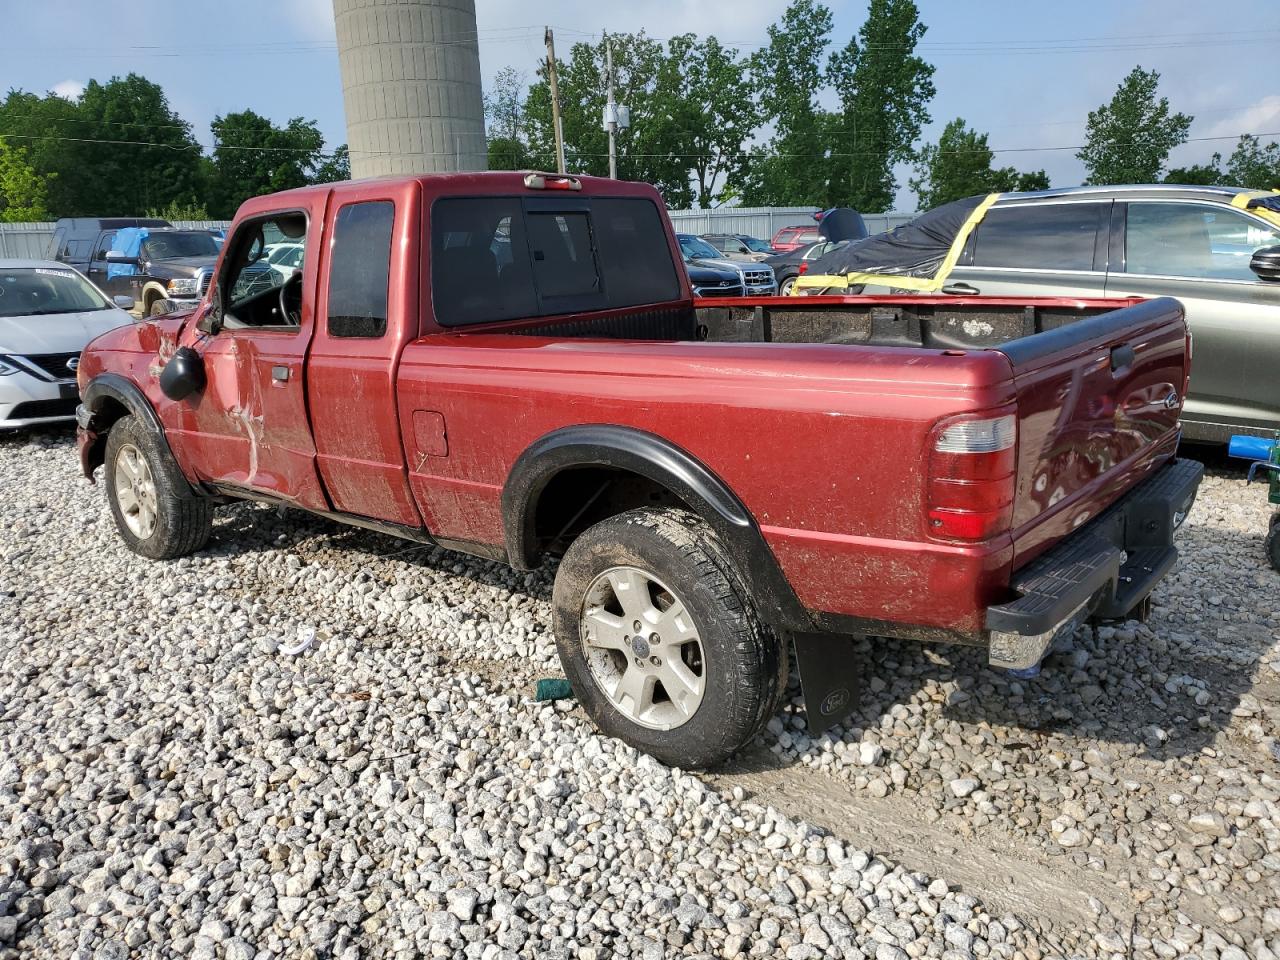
[514,365]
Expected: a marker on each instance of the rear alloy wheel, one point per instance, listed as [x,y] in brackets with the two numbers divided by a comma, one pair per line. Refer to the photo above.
[642,648]
[660,641]
[787,286]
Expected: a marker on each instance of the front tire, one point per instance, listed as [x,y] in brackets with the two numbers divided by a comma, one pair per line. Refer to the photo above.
[787,286]
[659,640]
[153,507]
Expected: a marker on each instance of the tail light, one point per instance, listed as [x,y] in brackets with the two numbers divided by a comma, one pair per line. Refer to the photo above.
[551,181]
[972,472]
[804,268]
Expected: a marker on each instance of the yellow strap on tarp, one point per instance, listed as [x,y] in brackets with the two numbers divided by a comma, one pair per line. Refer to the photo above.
[921,284]
[1241,202]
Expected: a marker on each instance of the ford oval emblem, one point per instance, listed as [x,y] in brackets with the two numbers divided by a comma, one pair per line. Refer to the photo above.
[73,364]
[1171,401]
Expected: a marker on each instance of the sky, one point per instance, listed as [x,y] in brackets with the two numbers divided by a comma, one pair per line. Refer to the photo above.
[1025,72]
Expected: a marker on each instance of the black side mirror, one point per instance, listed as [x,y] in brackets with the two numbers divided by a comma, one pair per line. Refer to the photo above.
[1266,263]
[183,375]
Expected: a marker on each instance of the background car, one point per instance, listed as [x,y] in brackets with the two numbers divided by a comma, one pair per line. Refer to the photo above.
[1198,244]
[732,247]
[162,268]
[792,238]
[756,245]
[796,263]
[757,279]
[708,280]
[48,312]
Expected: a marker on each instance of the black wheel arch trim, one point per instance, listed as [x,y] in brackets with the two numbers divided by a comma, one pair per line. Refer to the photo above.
[651,456]
[113,386]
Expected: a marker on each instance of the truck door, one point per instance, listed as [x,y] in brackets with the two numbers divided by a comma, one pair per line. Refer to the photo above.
[364,318]
[248,428]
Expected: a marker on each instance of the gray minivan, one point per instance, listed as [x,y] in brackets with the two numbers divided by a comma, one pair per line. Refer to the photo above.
[1151,241]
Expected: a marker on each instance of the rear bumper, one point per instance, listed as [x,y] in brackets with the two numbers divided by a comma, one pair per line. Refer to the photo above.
[1103,570]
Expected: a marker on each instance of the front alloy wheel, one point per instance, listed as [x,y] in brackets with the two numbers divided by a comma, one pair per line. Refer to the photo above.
[135,491]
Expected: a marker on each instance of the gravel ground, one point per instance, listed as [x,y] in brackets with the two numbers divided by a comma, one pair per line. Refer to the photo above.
[174,783]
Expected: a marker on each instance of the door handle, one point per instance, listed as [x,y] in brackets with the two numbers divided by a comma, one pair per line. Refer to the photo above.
[1122,356]
[279,374]
[961,290]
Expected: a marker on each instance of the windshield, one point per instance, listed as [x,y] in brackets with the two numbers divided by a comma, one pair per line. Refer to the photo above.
[694,248]
[35,291]
[168,246]
[757,246]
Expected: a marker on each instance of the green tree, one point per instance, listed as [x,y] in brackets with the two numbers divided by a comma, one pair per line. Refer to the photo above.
[884,90]
[1008,179]
[336,166]
[787,74]
[179,210]
[117,150]
[959,165]
[1253,165]
[1199,174]
[706,91]
[1129,139]
[647,151]
[253,156]
[23,192]
[504,121]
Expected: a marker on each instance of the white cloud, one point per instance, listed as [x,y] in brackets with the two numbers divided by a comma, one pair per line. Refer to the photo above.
[69,89]
[1258,118]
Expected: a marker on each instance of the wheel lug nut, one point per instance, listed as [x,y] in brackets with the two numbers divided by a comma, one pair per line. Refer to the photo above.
[637,626]
[654,638]
[639,662]
[655,661]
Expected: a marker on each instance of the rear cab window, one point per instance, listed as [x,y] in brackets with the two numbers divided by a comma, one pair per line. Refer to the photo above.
[507,258]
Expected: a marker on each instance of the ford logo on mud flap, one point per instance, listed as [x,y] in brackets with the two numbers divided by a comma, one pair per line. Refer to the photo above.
[834,701]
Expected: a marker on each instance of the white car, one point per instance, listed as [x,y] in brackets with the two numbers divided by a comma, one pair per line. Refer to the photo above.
[48,313]
[284,258]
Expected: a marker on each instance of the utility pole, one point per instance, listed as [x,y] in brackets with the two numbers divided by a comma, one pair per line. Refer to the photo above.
[555,100]
[611,111]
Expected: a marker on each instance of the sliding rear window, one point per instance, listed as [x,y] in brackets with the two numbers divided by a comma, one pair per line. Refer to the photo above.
[505,258]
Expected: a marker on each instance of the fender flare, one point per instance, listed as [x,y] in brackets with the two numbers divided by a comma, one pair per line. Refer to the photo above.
[113,386]
[648,455]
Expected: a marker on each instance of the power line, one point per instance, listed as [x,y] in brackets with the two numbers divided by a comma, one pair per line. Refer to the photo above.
[578,153]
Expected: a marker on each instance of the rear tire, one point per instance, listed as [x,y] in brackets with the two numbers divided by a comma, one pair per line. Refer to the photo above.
[787,286]
[699,636]
[152,504]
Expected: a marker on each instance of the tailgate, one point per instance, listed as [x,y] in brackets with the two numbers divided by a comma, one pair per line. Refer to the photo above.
[1098,406]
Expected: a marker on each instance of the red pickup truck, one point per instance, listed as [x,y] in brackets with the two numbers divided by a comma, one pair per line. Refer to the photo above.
[513,365]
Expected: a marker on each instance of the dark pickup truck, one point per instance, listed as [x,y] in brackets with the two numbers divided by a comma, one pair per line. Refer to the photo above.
[719,477]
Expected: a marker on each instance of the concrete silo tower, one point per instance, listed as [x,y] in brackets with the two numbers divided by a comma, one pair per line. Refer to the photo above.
[411,85]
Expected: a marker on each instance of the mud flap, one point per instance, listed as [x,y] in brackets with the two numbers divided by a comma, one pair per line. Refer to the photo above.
[830,678]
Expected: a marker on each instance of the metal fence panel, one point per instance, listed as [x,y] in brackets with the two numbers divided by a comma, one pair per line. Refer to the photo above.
[764,222]
[30,241]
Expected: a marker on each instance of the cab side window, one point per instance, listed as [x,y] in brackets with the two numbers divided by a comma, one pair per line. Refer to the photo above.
[1195,240]
[253,292]
[360,269]
[1051,236]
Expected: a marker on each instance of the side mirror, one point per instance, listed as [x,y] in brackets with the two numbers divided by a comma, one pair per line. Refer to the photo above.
[1266,263]
[183,375]
[123,302]
[118,256]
